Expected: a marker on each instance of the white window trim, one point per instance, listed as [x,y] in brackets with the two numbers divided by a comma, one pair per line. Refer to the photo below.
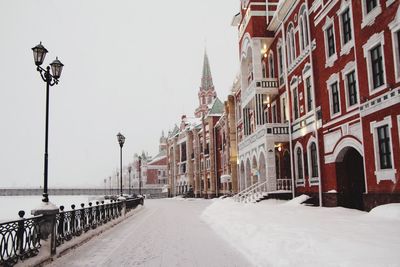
[332,79]
[369,19]
[383,174]
[307,74]
[312,180]
[398,126]
[394,26]
[304,29]
[373,41]
[280,70]
[351,66]
[330,60]
[298,182]
[292,87]
[290,39]
[345,48]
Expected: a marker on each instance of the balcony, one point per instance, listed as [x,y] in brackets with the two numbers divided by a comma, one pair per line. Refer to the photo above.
[267,86]
[279,132]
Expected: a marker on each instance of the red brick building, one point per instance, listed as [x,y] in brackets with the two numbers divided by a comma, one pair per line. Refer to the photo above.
[319,99]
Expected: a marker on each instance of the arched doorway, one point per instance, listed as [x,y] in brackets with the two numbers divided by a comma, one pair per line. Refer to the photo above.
[286,172]
[350,178]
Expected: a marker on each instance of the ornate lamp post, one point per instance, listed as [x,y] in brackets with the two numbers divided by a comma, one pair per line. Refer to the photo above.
[140,175]
[121,141]
[129,171]
[39,53]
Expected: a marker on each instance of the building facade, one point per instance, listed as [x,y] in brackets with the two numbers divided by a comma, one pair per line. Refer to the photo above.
[319,99]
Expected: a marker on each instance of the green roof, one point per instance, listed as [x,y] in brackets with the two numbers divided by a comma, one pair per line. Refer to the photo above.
[217,108]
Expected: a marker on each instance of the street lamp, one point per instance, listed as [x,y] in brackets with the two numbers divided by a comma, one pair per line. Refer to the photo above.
[121,141]
[140,175]
[39,53]
[129,171]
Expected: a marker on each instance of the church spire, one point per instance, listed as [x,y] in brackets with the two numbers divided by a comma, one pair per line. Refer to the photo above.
[207,92]
[206,79]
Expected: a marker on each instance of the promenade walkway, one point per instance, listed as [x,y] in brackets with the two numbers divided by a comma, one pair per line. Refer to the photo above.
[165,232]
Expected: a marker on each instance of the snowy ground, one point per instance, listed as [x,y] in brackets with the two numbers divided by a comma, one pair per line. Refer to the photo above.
[278,233]
[166,232]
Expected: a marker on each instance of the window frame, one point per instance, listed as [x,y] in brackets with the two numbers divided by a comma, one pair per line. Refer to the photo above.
[388,173]
[374,41]
[271,67]
[394,27]
[345,48]
[334,78]
[330,59]
[299,182]
[313,180]
[350,67]
[307,75]
[368,18]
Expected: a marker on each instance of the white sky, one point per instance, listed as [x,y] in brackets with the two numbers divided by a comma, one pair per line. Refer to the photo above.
[130,66]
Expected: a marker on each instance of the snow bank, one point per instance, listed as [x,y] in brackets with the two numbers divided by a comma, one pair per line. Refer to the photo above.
[388,211]
[271,234]
[297,200]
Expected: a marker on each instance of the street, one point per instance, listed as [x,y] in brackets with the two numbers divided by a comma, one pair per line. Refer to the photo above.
[165,232]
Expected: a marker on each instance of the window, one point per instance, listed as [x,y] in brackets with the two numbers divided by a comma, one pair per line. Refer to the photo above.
[314,160]
[330,40]
[299,164]
[291,52]
[384,147]
[377,66]
[382,138]
[370,4]
[373,52]
[335,98]
[346,26]
[309,94]
[303,25]
[394,26]
[351,88]
[295,104]
[283,109]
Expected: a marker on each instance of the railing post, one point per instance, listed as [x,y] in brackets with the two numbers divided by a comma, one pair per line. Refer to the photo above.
[61,228]
[83,219]
[103,212]
[98,213]
[90,215]
[20,232]
[72,222]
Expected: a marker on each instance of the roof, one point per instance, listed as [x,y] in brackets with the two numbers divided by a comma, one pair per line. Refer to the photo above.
[206,78]
[159,156]
[217,108]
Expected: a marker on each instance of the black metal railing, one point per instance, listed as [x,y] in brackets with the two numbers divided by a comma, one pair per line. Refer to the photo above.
[19,239]
[77,221]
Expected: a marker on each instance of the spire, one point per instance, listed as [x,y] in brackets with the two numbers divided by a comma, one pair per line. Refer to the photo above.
[206,79]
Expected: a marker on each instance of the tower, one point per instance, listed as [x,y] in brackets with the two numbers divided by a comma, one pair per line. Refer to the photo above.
[163,143]
[206,92]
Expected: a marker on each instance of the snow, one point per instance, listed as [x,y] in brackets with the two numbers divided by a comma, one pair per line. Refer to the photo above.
[297,200]
[388,211]
[163,233]
[272,233]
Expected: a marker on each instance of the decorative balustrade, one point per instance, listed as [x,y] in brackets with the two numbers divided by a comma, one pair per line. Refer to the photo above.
[284,184]
[20,239]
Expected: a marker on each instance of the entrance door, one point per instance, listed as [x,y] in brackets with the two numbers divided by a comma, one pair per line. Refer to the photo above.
[350,179]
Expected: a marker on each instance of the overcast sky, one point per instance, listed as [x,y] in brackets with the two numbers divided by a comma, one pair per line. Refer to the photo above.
[130,66]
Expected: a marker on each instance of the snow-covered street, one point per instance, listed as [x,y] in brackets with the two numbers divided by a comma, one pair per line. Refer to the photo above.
[165,232]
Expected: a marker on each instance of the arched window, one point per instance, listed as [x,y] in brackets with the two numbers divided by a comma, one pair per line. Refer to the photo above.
[290,45]
[303,27]
[299,155]
[314,160]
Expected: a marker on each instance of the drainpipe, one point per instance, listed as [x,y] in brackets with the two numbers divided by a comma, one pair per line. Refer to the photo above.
[215,161]
[315,112]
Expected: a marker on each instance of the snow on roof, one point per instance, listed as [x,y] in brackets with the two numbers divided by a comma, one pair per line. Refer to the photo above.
[159,156]
[217,108]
